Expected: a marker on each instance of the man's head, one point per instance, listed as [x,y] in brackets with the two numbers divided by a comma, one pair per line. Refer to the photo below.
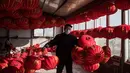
[67,28]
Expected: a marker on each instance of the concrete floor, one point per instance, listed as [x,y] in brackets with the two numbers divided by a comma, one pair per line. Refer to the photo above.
[76,69]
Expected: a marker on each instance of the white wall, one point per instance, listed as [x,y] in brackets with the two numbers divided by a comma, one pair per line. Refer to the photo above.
[19,43]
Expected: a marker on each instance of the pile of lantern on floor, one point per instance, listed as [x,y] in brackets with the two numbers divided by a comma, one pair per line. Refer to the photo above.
[89,55]
[34,58]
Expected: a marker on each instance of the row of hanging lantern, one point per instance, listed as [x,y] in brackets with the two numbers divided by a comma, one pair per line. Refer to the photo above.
[25,14]
[122,31]
[107,8]
[28,10]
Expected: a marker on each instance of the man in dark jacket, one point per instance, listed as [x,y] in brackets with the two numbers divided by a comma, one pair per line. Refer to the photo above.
[64,42]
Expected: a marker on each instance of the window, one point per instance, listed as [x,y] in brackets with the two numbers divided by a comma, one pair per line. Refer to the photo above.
[115,19]
[81,26]
[90,24]
[115,45]
[47,32]
[38,32]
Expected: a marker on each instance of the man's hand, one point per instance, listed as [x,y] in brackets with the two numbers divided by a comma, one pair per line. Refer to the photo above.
[45,46]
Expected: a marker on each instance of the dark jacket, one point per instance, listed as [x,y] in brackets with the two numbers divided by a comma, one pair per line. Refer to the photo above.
[64,43]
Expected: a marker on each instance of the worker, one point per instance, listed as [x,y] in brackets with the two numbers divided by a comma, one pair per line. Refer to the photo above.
[65,42]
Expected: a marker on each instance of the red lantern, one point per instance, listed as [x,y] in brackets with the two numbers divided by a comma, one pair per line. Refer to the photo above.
[10,69]
[2,14]
[50,62]
[3,63]
[108,32]
[91,68]
[107,54]
[30,4]
[37,23]
[60,22]
[35,13]
[122,4]
[122,31]
[95,54]
[14,14]
[108,8]
[75,33]
[50,22]
[86,41]
[83,32]
[96,33]
[10,5]
[15,64]
[22,23]
[78,55]
[95,13]
[32,62]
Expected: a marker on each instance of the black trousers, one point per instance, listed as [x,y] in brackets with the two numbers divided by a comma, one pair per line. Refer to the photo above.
[67,62]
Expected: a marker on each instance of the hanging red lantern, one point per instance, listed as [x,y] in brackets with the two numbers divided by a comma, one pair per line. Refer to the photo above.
[81,18]
[10,5]
[30,4]
[108,8]
[91,33]
[50,22]
[8,23]
[14,14]
[83,32]
[78,55]
[60,22]
[78,19]
[36,23]
[107,54]
[75,33]
[86,41]
[97,32]
[35,13]
[122,4]
[122,31]
[108,33]
[94,13]
[2,14]
[22,23]
[95,54]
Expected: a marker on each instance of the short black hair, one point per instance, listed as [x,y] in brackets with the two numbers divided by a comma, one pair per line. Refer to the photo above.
[68,25]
